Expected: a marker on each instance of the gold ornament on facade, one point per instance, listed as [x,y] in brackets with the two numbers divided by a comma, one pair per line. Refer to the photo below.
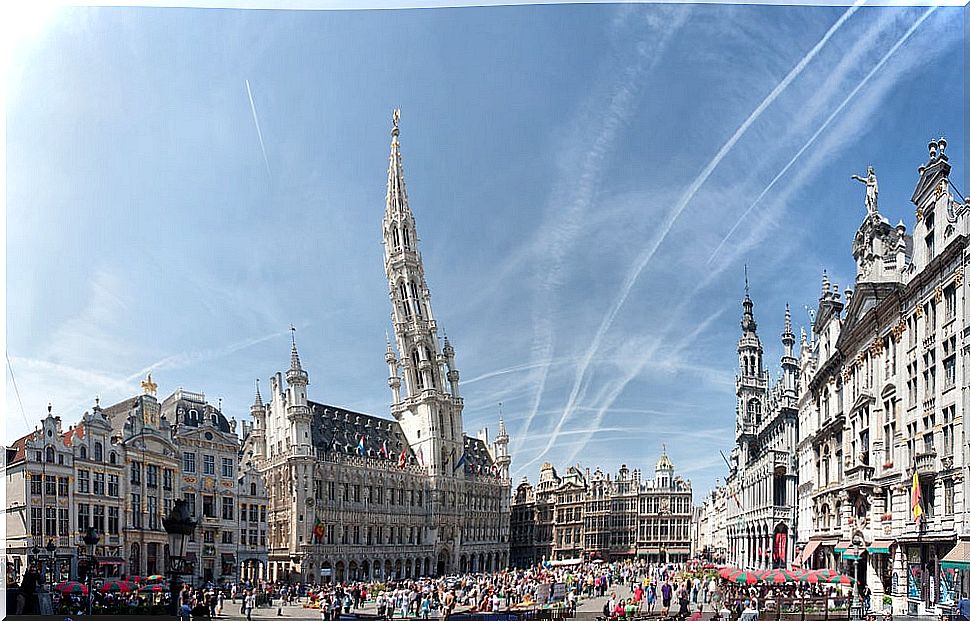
[877,346]
[958,277]
[148,385]
[918,313]
[938,295]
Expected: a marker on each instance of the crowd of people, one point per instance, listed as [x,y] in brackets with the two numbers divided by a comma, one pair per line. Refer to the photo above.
[630,589]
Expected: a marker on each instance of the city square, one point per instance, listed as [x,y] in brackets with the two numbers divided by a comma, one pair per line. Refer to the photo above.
[683,360]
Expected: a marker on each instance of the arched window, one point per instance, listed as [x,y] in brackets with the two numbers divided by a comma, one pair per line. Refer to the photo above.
[113,458]
[83,452]
[49,455]
[98,452]
[419,380]
[405,231]
[415,300]
[754,412]
[826,457]
[252,489]
[403,293]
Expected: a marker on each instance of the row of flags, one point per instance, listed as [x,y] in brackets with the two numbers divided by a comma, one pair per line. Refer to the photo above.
[403,458]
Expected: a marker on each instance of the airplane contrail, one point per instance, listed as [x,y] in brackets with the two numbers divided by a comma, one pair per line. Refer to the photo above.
[822,128]
[259,132]
[645,257]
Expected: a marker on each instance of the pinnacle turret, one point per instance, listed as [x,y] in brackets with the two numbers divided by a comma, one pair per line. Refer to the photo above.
[258,402]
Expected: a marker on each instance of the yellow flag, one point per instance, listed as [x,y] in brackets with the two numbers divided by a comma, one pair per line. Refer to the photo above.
[916,497]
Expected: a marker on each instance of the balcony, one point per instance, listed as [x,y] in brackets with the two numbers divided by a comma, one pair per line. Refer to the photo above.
[925,463]
[781,462]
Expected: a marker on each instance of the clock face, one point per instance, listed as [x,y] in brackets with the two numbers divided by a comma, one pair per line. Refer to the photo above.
[208,435]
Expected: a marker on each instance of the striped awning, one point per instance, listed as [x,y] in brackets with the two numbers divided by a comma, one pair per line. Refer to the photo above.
[809,550]
[842,546]
[880,546]
[958,557]
[851,554]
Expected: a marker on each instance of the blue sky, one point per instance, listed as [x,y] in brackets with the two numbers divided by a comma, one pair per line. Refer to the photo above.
[571,169]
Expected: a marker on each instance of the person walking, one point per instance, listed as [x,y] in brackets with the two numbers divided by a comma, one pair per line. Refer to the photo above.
[666,594]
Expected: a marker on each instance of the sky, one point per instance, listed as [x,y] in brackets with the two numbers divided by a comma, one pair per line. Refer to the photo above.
[588,183]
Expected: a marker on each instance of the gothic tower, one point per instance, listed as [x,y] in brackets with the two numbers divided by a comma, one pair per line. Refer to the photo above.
[297,408]
[752,381]
[429,412]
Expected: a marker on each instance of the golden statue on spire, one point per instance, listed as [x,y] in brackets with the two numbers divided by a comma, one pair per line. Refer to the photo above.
[396,117]
[148,385]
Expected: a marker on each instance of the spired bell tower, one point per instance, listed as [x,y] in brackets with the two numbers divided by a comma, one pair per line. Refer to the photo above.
[429,409]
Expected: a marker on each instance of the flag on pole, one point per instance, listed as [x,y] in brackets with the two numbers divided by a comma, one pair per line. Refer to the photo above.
[384,450]
[734,494]
[360,445]
[917,499]
[318,531]
[460,462]
[403,461]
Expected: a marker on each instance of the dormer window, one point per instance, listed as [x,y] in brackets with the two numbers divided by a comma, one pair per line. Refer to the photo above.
[49,455]
[83,452]
[113,458]
[98,452]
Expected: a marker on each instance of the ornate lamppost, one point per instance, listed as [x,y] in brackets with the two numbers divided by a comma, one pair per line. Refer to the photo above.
[855,609]
[51,547]
[91,539]
[179,525]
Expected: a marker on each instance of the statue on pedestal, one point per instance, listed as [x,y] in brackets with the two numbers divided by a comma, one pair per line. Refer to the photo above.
[872,189]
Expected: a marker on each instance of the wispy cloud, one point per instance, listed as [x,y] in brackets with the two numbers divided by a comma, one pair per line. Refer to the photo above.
[835,113]
[647,255]
[581,179]
[259,132]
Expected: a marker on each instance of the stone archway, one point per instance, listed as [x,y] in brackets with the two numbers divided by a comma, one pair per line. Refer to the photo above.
[339,573]
[326,572]
[463,564]
[352,571]
[443,564]
[388,570]
[427,566]
[407,568]
[365,570]
[398,569]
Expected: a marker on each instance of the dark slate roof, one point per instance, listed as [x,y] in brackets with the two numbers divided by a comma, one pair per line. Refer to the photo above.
[339,430]
[478,461]
[120,408]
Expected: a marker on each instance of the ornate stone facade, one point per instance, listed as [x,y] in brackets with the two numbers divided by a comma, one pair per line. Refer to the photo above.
[884,396]
[584,515]
[356,496]
[760,486]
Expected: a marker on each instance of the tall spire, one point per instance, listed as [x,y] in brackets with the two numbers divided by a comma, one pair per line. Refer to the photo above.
[397,195]
[748,324]
[294,355]
[259,399]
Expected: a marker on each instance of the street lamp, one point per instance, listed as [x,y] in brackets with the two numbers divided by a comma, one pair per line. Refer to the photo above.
[179,525]
[855,610]
[91,539]
[51,548]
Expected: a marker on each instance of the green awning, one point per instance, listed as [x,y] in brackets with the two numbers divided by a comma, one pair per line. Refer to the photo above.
[958,557]
[880,547]
[842,546]
[850,555]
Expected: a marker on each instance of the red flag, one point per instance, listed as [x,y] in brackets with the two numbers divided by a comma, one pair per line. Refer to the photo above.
[404,460]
